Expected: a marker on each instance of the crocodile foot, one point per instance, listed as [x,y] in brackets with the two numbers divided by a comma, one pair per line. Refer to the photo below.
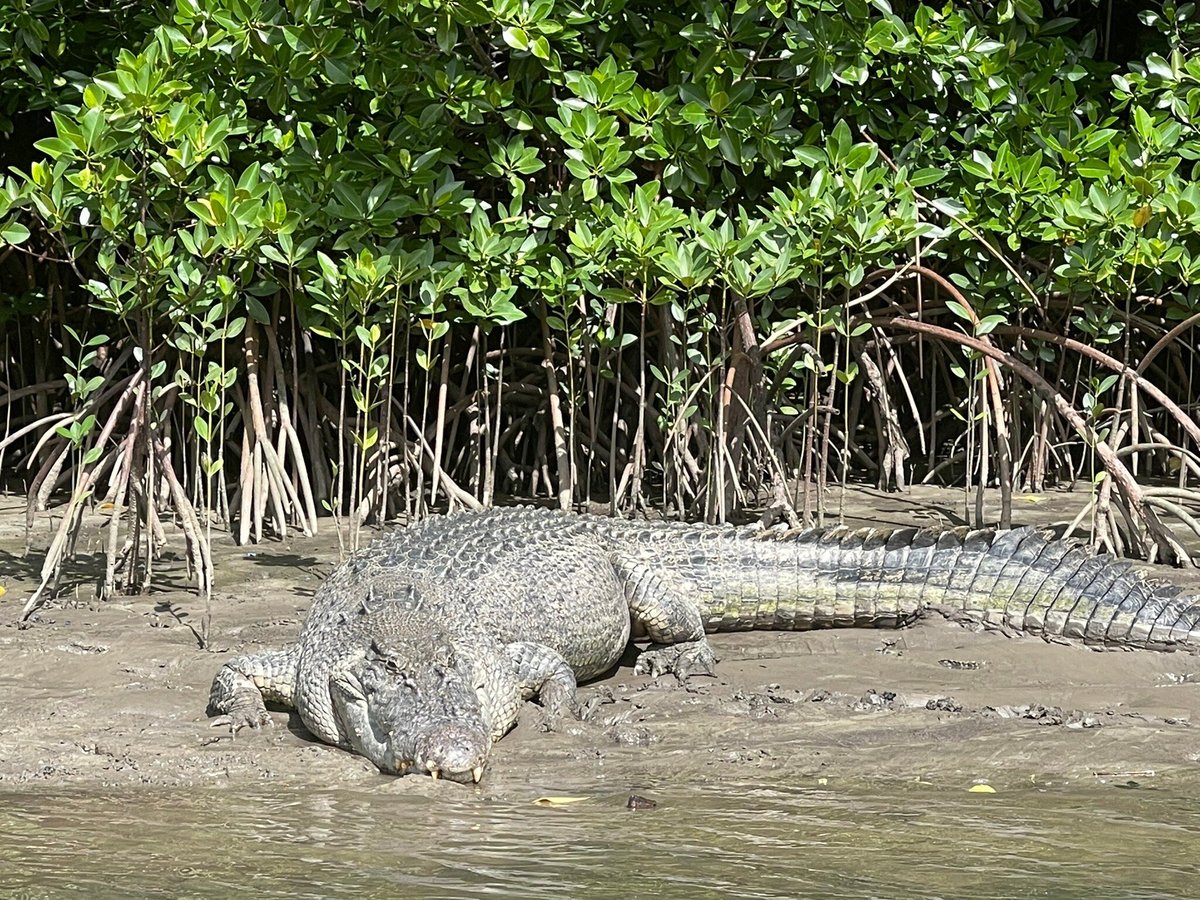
[245,711]
[685,659]
[601,696]
[560,706]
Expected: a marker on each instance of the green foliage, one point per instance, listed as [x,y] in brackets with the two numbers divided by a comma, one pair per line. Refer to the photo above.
[414,167]
[208,166]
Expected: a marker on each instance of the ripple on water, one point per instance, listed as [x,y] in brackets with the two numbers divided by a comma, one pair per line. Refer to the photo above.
[726,840]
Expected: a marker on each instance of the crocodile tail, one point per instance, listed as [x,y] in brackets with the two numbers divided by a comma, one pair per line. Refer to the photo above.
[1022,580]
[1017,579]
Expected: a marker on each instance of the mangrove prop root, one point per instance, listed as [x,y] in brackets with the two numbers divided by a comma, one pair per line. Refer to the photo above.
[1162,540]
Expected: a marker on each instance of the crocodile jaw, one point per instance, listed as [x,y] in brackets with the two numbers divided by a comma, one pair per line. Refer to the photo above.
[412,716]
[454,750]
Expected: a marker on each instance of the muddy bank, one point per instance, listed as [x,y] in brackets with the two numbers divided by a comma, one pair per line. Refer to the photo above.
[113,694]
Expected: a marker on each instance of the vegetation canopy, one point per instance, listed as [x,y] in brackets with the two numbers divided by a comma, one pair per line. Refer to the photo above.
[268,261]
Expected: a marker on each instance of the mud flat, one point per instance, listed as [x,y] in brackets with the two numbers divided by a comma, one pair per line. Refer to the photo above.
[112,694]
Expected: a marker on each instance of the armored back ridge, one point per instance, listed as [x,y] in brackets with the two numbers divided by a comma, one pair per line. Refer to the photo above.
[419,650]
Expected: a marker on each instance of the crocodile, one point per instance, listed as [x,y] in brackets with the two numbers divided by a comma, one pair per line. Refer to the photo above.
[419,650]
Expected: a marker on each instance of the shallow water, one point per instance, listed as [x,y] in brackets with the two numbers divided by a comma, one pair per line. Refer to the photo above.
[724,840]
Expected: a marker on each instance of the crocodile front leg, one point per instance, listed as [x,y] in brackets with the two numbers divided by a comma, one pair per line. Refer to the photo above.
[349,704]
[671,621]
[542,672]
[245,684]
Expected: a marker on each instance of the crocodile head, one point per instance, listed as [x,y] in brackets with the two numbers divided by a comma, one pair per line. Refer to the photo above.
[410,704]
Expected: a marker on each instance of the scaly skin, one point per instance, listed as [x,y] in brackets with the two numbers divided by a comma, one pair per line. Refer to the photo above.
[419,649]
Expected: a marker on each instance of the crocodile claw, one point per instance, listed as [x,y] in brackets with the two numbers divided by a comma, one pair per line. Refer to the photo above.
[684,660]
[560,707]
[243,715]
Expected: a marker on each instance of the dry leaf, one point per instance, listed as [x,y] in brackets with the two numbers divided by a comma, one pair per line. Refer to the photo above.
[559,801]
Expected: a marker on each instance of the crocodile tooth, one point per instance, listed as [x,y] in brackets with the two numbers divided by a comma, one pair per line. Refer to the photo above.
[435,774]
[477,773]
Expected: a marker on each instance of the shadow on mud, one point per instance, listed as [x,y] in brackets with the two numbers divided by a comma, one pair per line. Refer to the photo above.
[296,726]
[24,567]
[309,564]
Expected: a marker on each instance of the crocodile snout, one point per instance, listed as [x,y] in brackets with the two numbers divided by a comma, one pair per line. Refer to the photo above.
[453,752]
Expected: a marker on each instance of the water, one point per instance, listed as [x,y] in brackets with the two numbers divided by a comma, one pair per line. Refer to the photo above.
[726,840]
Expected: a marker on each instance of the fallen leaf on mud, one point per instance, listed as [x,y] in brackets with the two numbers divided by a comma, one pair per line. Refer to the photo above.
[559,801]
[2,590]
[981,789]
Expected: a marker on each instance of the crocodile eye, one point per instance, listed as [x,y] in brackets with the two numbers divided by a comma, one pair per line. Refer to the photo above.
[394,668]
